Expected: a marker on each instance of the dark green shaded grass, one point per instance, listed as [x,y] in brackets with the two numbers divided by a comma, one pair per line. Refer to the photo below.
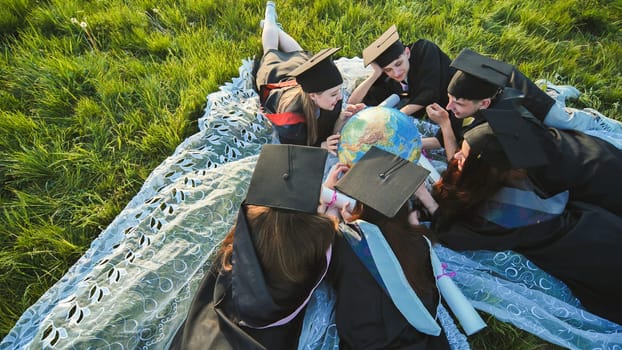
[90,106]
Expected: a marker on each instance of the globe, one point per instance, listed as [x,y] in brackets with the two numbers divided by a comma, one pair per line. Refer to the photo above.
[383,127]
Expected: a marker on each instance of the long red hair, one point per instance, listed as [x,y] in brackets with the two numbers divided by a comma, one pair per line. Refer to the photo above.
[460,192]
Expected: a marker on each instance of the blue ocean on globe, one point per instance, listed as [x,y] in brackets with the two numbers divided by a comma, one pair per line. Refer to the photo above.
[386,128]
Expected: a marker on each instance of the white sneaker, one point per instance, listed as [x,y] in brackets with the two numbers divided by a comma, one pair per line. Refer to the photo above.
[563,91]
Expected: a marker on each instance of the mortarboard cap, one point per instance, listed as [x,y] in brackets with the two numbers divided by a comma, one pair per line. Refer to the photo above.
[382,181]
[465,85]
[384,50]
[288,177]
[318,73]
[507,141]
[483,74]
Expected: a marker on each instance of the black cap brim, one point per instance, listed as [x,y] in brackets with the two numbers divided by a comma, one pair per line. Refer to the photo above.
[382,181]
[288,177]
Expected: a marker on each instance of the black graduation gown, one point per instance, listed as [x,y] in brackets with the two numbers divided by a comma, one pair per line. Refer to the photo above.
[212,323]
[581,247]
[366,318]
[274,67]
[587,166]
[428,77]
[225,299]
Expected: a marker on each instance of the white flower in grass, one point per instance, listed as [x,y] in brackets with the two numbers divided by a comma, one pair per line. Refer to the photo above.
[74,20]
[83,25]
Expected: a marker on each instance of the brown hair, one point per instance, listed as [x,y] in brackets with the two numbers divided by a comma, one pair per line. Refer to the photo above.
[291,246]
[301,100]
[460,192]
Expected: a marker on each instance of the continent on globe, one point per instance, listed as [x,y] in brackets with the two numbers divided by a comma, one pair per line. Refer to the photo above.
[383,127]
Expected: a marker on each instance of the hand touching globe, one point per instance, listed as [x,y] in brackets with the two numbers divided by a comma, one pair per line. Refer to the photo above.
[383,127]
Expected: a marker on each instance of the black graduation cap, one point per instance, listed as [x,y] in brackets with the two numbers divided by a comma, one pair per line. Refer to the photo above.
[288,177]
[318,73]
[507,141]
[386,49]
[478,76]
[382,180]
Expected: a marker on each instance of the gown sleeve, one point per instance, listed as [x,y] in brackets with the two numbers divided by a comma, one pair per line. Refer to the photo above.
[429,74]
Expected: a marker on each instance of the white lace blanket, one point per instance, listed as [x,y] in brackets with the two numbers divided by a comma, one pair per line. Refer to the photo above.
[133,286]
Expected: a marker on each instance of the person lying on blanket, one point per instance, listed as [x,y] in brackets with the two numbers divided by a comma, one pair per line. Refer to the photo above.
[497,195]
[281,248]
[482,82]
[417,74]
[384,272]
[271,261]
[301,94]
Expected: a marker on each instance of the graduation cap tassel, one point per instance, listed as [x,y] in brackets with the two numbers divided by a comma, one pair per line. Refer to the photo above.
[393,168]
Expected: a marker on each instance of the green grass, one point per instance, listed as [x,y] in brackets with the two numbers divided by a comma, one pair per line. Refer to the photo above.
[95,94]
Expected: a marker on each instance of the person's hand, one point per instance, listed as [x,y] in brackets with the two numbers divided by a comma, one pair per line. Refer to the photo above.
[376,68]
[425,197]
[355,108]
[329,211]
[413,218]
[333,176]
[346,213]
[350,110]
[437,113]
[331,180]
[331,143]
[423,194]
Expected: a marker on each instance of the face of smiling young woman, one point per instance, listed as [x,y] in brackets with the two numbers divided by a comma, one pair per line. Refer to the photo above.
[327,99]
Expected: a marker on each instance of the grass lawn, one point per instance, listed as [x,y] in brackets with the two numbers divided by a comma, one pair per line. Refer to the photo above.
[95,94]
